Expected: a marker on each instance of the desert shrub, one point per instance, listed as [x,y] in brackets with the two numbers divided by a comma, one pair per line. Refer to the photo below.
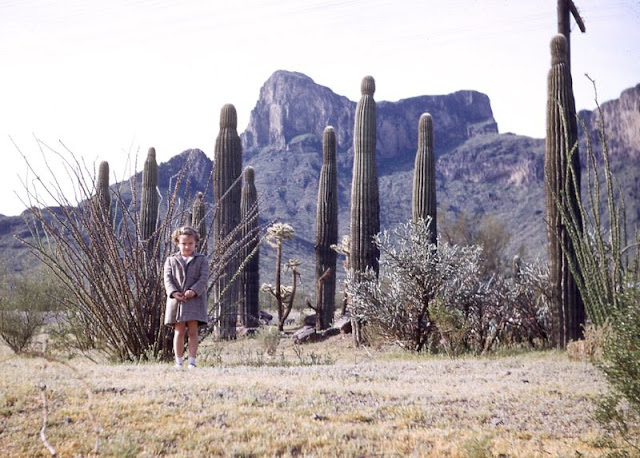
[269,336]
[24,302]
[438,297]
[619,409]
[486,231]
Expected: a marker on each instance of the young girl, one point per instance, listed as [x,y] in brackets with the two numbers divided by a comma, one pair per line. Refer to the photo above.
[185,280]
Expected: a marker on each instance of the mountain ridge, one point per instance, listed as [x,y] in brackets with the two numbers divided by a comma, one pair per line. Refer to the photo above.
[479,171]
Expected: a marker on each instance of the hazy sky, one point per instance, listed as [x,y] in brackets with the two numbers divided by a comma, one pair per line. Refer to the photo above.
[111,78]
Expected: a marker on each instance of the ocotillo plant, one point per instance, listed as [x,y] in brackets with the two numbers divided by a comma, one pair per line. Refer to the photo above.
[149,199]
[250,305]
[562,178]
[226,192]
[198,222]
[424,177]
[326,232]
[365,206]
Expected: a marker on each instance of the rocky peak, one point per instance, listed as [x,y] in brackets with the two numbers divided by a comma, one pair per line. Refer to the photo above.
[292,104]
[293,110]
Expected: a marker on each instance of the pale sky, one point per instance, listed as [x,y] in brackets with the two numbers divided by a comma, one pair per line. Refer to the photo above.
[111,78]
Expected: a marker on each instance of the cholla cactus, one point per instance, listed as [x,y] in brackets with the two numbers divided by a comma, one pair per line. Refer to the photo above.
[365,205]
[276,235]
[562,178]
[424,177]
[326,232]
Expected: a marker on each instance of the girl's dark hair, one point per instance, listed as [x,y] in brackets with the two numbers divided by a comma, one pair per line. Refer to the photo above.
[184,230]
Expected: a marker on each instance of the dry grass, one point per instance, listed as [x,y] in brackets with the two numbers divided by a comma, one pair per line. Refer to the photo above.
[240,402]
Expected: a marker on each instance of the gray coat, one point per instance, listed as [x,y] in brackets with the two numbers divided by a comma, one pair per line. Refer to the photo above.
[179,277]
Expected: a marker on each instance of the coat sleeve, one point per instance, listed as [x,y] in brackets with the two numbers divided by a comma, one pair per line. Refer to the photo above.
[169,282]
[200,282]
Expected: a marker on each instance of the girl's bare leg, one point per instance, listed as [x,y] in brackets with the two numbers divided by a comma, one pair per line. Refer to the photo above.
[193,338]
[178,340]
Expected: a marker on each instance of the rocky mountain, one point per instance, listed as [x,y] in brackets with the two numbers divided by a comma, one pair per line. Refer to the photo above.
[479,171]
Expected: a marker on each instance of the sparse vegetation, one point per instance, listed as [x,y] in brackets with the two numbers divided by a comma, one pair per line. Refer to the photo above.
[438,297]
[333,398]
[24,303]
[607,269]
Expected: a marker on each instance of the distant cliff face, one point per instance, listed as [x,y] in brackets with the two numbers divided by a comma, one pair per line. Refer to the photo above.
[621,122]
[292,105]
[293,111]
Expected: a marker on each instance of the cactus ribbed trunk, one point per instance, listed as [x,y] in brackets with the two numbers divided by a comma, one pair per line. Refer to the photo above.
[365,206]
[250,305]
[424,177]
[226,192]
[103,197]
[562,178]
[198,221]
[326,232]
[149,199]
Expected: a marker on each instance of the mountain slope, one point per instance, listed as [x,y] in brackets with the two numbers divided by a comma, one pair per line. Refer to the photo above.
[479,171]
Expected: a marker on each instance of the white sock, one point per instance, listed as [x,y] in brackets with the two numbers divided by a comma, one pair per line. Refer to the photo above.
[179,360]
[192,361]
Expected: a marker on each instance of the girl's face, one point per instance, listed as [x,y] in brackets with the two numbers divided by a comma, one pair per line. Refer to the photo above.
[187,245]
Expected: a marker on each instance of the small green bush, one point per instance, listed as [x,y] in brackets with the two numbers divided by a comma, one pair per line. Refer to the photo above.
[23,304]
[619,410]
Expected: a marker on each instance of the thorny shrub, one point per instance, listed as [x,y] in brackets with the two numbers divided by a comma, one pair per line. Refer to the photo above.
[436,298]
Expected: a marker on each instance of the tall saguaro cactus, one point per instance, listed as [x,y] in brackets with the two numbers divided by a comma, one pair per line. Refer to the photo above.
[198,222]
[250,305]
[326,232]
[365,205]
[149,200]
[103,197]
[562,178]
[226,192]
[424,177]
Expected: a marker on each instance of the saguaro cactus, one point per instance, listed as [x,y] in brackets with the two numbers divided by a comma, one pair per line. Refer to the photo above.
[149,200]
[326,232]
[103,197]
[226,192]
[198,222]
[562,178]
[365,205]
[424,177]
[250,305]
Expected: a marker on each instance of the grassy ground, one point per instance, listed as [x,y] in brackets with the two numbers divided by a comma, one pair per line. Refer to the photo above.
[322,399]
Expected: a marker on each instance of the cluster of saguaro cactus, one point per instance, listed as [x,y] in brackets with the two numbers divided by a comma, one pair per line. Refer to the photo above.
[326,232]
[365,205]
[227,193]
[149,200]
[250,304]
[423,203]
[198,221]
[562,178]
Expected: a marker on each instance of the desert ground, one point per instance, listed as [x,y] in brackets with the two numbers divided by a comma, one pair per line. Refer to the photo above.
[329,398]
